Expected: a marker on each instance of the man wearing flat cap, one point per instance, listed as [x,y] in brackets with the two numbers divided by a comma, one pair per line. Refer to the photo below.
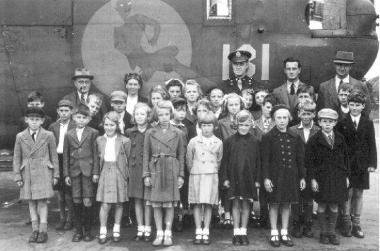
[82,81]
[240,80]
[328,91]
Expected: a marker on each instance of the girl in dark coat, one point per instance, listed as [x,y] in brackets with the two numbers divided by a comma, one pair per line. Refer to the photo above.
[240,173]
[327,161]
[141,116]
[283,172]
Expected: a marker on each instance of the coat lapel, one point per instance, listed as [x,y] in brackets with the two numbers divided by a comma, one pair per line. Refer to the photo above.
[333,93]
[41,138]
[118,145]
[284,95]
[323,141]
[85,134]
[166,137]
[27,138]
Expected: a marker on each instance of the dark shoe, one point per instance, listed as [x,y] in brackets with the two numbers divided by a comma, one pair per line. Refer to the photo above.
[148,238]
[60,225]
[333,239]
[87,236]
[286,240]
[206,239]
[102,239]
[197,239]
[178,225]
[33,237]
[244,240]
[116,237]
[324,239]
[77,237]
[297,230]
[227,224]
[139,236]
[274,241]
[68,226]
[346,230]
[307,230]
[42,237]
[357,232]
[236,240]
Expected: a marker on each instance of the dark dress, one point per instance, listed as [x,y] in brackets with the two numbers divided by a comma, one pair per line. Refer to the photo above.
[283,163]
[241,165]
[136,183]
[329,167]
[362,152]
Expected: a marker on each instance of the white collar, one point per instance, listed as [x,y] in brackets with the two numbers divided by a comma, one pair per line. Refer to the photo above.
[296,83]
[357,118]
[80,129]
[122,116]
[31,132]
[172,122]
[345,80]
[301,125]
[85,94]
[328,134]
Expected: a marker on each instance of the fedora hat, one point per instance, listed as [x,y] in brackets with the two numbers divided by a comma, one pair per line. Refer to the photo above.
[344,57]
[82,73]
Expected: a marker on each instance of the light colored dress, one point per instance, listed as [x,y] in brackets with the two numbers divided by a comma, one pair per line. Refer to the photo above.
[203,161]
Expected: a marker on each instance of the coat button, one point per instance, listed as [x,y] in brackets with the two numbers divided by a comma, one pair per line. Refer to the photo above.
[289,153]
[282,146]
[283,159]
[283,152]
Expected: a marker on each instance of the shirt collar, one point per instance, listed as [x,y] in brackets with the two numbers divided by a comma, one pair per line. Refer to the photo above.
[296,83]
[85,95]
[345,80]
[301,125]
[357,118]
[31,132]
[122,116]
[328,134]
[172,122]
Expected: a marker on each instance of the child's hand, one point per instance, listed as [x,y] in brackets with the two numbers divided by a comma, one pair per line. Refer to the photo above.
[302,184]
[95,178]
[348,182]
[314,185]
[268,185]
[147,182]
[371,169]
[19,183]
[257,184]
[226,184]
[55,181]
[180,182]
[68,181]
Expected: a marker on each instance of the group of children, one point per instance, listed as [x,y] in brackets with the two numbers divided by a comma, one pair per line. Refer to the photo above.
[183,149]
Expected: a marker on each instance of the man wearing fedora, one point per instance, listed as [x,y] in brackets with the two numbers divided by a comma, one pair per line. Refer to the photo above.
[82,81]
[328,91]
[240,80]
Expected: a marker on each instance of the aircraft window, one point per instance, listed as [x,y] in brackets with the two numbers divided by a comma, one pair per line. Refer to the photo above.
[219,9]
[326,14]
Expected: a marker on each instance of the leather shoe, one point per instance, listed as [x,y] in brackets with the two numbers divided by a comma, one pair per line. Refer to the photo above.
[324,239]
[274,241]
[286,240]
[68,226]
[148,238]
[244,240]
[116,238]
[102,239]
[297,230]
[77,237]
[60,225]
[346,230]
[197,241]
[333,239]
[307,230]
[206,239]
[33,237]
[168,241]
[357,232]
[138,238]
[42,237]
[87,236]
[236,240]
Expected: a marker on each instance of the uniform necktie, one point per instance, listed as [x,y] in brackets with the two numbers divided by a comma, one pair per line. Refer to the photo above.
[34,136]
[292,91]
[240,84]
[82,98]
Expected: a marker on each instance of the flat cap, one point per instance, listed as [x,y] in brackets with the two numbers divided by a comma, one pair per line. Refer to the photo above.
[178,101]
[65,102]
[34,112]
[344,57]
[82,109]
[239,56]
[327,113]
[118,96]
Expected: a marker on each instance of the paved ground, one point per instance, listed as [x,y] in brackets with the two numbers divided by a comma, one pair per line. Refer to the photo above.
[14,233]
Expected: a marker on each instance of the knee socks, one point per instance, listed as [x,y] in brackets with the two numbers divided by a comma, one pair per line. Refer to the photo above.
[87,218]
[77,213]
[322,222]
[331,223]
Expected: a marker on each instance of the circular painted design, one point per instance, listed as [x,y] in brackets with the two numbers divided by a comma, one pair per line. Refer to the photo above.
[146,36]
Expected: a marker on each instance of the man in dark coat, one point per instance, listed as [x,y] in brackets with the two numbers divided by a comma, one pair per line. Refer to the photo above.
[240,79]
[82,81]
[359,134]
[328,91]
[287,93]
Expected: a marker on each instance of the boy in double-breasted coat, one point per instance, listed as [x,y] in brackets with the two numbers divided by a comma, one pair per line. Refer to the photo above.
[80,169]
[359,133]
[35,164]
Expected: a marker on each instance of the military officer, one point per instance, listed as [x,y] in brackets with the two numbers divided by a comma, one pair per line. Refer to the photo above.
[240,80]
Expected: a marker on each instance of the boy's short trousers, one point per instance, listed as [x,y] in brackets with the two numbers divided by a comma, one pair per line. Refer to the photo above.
[82,186]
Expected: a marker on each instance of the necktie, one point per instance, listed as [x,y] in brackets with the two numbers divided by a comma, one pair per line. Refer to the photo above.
[331,141]
[240,83]
[82,98]
[292,91]
[356,124]
[34,136]
[340,83]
